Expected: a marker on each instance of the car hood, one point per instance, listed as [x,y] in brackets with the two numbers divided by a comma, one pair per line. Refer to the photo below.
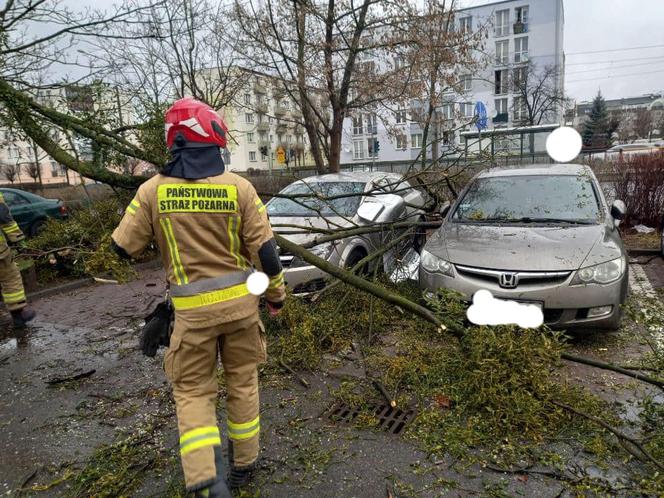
[328,223]
[525,248]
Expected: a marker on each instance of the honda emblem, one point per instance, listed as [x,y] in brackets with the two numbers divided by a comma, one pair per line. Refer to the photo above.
[508,280]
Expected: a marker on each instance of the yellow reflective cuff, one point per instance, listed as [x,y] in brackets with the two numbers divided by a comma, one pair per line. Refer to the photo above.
[245,430]
[178,269]
[209,430]
[199,443]
[11,228]
[197,198]
[135,203]
[14,297]
[131,209]
[276,281]
[208,298]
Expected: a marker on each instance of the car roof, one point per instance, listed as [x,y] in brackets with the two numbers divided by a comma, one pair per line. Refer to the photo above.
[352,176]
[537,170]
[24,193]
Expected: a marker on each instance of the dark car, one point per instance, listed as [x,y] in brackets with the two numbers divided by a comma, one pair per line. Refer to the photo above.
[31,211]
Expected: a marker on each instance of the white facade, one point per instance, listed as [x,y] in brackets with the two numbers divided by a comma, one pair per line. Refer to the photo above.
[518,31]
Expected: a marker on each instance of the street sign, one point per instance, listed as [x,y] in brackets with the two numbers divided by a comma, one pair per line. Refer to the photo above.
[480,116]
[281,155]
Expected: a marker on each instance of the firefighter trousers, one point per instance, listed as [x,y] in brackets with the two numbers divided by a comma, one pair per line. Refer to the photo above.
[13,293]
[190,364]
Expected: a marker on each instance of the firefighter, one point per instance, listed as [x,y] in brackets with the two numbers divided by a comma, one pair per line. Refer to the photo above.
[13,293]
[212,230]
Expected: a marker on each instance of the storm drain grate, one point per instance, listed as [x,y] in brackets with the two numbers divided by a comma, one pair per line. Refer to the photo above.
[392,420]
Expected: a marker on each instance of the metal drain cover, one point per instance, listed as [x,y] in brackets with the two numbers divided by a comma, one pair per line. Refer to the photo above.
[392,420]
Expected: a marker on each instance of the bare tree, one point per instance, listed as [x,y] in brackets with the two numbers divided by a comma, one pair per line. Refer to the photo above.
[539,94]
[643,121]
[11,172]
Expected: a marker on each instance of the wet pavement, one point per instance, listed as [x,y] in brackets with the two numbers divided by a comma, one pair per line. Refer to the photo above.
[51,426]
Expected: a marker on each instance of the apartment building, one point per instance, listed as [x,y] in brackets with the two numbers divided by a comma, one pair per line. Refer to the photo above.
[265,127]
[519,32]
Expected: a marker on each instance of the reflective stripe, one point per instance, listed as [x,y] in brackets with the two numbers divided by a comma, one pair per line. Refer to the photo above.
[276,281]
[199,438]
[207,298]
[11,228]
[133,206]
[178,269]
[13,297]
[260,205]
[234,223]
[244,431]
[210,284]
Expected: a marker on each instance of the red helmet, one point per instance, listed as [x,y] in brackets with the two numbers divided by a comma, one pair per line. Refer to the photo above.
[196,122]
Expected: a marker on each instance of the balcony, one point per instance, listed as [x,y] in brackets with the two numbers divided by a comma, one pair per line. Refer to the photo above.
[264,126]
[280,110]
[520,28]
[521,57]
[501,117]
[259,88]
[261,107]
[263,143]
[281,126]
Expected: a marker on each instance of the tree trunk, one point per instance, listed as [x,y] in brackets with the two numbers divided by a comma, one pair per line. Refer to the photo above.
[335,143]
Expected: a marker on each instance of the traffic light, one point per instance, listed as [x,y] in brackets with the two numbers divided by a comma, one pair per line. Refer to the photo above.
[263,150]
[376,146]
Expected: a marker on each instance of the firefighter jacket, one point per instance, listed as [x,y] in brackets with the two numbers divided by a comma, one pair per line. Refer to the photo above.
[211,233]
[10,233]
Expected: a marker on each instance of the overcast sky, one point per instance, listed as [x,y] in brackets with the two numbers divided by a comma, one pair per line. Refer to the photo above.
[605,44]
[614,30]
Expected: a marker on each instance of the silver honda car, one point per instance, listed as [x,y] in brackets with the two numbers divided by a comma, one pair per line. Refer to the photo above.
[539,234]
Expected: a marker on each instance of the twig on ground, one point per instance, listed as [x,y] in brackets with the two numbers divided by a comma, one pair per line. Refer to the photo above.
[60,380]
[299,378]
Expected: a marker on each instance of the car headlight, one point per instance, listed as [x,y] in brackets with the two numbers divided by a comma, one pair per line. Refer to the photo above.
[323,251]
[602,273]
[434,264]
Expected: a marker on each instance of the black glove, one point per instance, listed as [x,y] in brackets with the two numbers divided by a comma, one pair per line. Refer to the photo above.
[156,331]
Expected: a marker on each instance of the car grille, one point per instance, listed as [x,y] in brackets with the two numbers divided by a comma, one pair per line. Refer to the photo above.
[513,279]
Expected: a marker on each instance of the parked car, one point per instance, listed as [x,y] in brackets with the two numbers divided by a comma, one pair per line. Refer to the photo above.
[542,235]
[369,198]
[31,211]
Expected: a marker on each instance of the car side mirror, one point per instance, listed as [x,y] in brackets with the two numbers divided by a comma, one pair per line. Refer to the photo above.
[445,208]
[618,211]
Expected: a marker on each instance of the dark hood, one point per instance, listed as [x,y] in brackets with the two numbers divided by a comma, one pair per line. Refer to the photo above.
[194,161]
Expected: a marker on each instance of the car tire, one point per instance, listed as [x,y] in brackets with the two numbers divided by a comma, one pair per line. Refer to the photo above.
[37,227]
[355,257]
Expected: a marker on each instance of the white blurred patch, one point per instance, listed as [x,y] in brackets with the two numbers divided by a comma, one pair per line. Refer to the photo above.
[564,144]
[487,310]
[257,283]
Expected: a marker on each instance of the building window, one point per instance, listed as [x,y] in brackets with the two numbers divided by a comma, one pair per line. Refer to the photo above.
[519,78]
[398,63]
[416,140]
[501,82]
[252,155]
[447,111]
[358,149]
[248,118]
[401,116]
[502,22]
[262,136]
[501,111]
[14,152]
[271,138]
[466,109]
[521,24]
[247,98]
[357,125]
[372,147]
[521,49]
[466,82]
[250,138]
[466,24]
[502,52]
[371,124]
[448,137]
[520,110]
[55,170]
[263,155]
[402,142]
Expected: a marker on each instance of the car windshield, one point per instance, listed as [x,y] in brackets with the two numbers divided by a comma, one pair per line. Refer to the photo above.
[530,199]
[308,202]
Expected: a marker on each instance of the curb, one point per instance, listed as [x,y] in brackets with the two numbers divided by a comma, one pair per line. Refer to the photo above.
[643,252]
[85,282]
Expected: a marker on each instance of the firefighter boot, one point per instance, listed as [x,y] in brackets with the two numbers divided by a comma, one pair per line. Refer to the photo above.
[219,489]
[22,317]
[239,476]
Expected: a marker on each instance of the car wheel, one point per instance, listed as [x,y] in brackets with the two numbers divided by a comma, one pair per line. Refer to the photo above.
[37,227]
[355,257]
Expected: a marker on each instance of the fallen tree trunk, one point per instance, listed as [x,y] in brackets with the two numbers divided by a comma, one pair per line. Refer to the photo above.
[421,311]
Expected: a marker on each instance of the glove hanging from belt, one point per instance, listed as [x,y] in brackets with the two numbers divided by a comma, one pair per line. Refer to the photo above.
[157,329]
